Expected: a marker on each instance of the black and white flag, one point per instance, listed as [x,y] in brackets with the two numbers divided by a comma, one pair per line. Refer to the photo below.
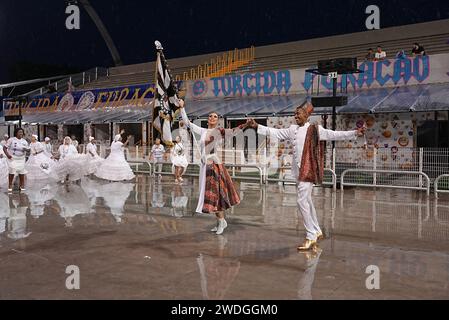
[166,98]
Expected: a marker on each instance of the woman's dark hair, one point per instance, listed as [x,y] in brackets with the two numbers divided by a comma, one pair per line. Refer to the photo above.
[16,130]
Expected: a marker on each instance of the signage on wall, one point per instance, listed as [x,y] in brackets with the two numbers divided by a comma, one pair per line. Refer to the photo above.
[376,74]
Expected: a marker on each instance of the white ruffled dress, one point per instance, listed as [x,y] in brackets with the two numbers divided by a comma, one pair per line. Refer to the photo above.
[115,167]
[178,157]
[71,164]
[39,165]
[94,160]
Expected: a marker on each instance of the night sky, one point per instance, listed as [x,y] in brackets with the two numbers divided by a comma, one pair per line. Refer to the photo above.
[34,30]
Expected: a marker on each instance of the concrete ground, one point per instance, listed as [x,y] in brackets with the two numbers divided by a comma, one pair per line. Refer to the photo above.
[142,241]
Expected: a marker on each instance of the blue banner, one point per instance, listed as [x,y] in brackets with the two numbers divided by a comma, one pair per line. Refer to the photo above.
[137,96]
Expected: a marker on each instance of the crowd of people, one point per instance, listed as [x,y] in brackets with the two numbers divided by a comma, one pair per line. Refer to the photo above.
[380,54]
[39,163]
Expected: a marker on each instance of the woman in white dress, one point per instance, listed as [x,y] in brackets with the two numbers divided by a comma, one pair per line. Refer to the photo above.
[94,160]
[48,149]
[217,190]
[115,167]
[15,150]
[179,160]
[71,166]
[39,165]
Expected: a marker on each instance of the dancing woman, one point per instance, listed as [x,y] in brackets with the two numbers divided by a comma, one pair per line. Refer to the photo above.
[115,167]
[94,160]
[71,165]
[48,149]
[217,191]
[179,160]
[15,150]
[39,164]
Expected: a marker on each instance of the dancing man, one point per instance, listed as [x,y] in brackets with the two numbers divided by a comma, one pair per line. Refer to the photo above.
[308,162]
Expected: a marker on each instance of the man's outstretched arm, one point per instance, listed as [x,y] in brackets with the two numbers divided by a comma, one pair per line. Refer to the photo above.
[281,134]
[330,135]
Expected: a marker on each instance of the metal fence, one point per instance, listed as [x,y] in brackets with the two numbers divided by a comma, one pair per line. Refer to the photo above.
[398,179]
[408,168]
[431,161]
[441,184]
[76,80]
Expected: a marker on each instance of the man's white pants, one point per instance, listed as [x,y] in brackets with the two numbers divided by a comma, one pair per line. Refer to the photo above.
[307,209]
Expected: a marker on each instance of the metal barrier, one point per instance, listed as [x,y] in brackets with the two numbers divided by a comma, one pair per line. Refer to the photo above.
[137,160]
[387,167]
[259,168]
[333,183]
[140,161]
[375,179]
[227,165]
[437,181]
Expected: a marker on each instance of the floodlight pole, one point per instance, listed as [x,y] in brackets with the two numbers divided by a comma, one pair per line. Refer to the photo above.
[103,31]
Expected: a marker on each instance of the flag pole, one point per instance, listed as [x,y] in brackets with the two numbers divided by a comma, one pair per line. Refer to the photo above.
[154,98]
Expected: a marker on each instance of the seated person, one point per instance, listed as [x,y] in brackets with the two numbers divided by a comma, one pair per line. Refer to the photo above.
[418,50]
[401,55]
[370,55]
[380,55]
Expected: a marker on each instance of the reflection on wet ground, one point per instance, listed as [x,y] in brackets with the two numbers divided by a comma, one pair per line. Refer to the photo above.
[142,241]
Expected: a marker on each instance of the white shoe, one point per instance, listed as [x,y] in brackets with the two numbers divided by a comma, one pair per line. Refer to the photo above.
[214,229]
[222,224]
[181,179]
[10,190]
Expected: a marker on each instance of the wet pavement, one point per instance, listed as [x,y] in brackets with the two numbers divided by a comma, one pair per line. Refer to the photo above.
[142,241]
